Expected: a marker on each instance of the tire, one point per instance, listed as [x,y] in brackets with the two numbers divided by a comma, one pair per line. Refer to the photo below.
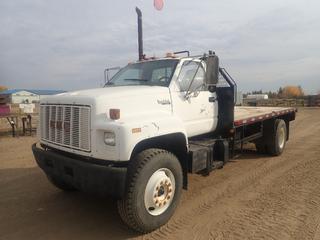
[58,183]
[154,186]
[277,138]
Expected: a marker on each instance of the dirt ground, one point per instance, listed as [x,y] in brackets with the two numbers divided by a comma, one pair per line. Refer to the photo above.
[252,197]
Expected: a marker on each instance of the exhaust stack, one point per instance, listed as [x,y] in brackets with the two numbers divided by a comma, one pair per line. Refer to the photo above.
[140,41]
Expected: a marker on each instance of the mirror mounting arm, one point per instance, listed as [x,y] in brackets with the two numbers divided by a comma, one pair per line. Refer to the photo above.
[188,93]
[212,88]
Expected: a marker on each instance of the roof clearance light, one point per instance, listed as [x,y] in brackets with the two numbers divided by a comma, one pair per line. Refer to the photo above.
[114,114]
[170,55]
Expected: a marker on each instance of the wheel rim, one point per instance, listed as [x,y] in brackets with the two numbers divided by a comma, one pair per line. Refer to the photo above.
[281,137]
[159,191]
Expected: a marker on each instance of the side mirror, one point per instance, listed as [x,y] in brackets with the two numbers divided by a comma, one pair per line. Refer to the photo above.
[212,73]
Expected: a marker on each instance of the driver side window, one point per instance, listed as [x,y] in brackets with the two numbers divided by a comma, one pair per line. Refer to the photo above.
[190,70]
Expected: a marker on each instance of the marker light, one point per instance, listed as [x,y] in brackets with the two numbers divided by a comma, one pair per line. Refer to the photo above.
[170,55]
[114,113]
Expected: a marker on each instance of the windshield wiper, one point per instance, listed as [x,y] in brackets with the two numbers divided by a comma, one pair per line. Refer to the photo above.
[109,83]
[136,79]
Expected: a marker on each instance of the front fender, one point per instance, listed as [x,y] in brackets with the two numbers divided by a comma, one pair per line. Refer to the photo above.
[130,133]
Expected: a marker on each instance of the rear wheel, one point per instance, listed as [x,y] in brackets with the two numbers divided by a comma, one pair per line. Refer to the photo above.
[153,192]
[278,138]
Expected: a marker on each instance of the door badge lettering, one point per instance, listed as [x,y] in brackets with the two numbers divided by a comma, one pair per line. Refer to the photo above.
[164,102]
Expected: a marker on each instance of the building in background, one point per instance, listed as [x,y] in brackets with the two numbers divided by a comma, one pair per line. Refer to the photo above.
[258,96]
[17,96]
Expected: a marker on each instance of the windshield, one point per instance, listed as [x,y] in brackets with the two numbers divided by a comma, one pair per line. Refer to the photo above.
[153,73]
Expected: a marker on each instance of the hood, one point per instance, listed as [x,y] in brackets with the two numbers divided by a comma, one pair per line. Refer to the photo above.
[127,98]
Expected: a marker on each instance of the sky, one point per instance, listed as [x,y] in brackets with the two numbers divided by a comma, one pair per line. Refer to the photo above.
[58,44]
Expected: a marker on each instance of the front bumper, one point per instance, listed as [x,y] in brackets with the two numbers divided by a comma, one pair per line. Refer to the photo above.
[105,180]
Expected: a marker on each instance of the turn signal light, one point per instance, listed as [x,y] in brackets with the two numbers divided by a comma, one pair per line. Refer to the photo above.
[114,113]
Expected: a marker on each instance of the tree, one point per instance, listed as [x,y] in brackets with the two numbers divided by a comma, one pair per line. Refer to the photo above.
[272,94]
[280,92]
[256,92]
[3,88]
[292,92]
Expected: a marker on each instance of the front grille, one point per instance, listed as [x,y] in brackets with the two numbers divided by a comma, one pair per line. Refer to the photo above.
[66,125]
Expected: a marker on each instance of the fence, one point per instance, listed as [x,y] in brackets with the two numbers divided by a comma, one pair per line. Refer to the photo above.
[308,101]
[16,113]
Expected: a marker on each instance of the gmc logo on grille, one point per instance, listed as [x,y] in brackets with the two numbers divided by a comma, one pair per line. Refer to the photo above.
[58,125]
[66,126]
[52,124]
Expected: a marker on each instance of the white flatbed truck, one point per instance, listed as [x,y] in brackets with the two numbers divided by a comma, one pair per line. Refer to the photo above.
[154,122]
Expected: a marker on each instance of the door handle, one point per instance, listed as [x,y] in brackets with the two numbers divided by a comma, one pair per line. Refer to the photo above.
[212,99]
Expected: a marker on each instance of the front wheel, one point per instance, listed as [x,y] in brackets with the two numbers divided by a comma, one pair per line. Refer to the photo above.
[153,192]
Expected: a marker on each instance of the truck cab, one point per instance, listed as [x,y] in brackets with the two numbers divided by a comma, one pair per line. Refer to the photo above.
[143,100]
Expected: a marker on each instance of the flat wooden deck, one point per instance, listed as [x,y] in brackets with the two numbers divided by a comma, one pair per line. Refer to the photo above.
[244,115]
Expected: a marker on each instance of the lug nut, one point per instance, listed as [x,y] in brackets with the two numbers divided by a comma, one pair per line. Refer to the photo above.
[168,197]
[170,190]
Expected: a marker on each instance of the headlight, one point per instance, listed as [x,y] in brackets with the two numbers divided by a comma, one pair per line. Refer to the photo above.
[110,138]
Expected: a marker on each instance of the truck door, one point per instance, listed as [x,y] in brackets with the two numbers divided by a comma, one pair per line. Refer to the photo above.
[191,101]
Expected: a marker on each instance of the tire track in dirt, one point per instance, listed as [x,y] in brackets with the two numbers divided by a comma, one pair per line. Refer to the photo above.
[317,233]
[287,211]
[207,202]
